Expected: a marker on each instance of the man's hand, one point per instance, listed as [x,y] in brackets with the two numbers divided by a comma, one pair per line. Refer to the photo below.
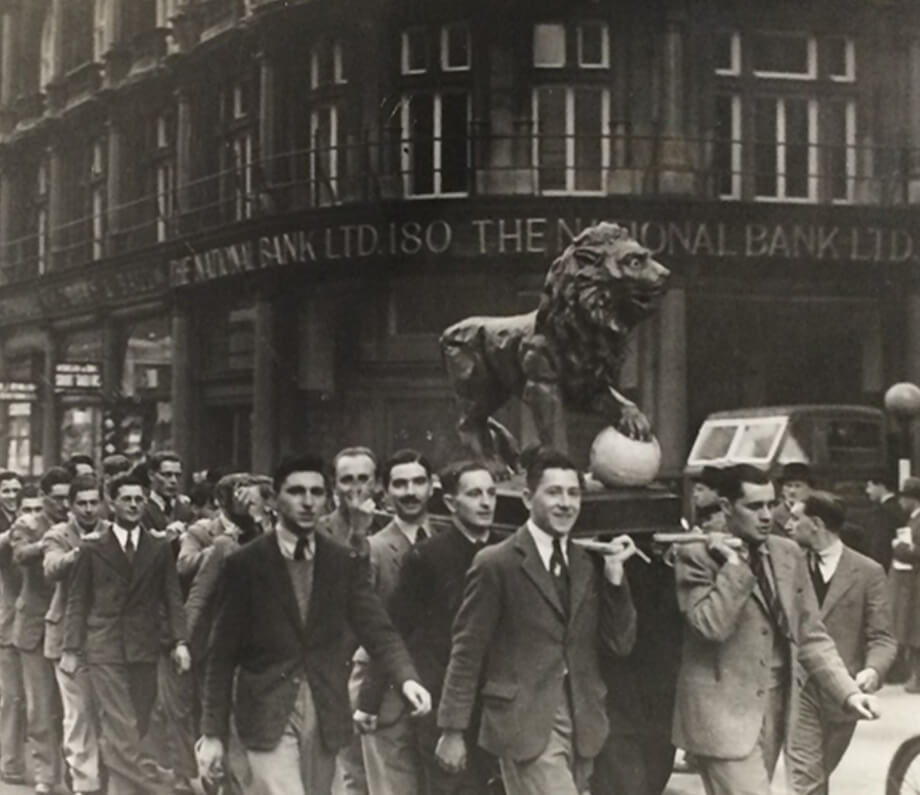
[181,658]
[451,751]
[69,663]
[364,722]
[724,545]
[613,562]
[419,698]
[209,752]
[863,705]
[867,680]
[174,530]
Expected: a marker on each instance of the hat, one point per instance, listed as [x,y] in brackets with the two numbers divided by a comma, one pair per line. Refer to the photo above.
[910,488]
[796,470]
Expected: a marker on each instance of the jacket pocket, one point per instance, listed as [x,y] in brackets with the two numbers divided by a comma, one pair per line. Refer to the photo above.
[503,691]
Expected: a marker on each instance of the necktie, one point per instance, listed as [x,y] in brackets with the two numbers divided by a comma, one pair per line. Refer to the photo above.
[167,507]
[817,578]
[777,614]
[300,550]
[420,535]
[129,547]
[560,573]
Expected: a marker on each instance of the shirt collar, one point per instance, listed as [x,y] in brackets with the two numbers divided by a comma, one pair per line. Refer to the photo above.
[410,531]
[915,512]
[544,542]
[287,542]
[829,557]
[122,533]
[459,527]
[158,499]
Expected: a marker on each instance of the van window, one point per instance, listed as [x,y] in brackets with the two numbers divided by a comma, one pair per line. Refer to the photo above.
[748,440]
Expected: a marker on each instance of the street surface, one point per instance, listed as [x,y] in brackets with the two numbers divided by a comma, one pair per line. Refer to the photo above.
[862,771]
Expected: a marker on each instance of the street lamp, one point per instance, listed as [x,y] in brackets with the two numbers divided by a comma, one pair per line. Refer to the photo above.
[902,401]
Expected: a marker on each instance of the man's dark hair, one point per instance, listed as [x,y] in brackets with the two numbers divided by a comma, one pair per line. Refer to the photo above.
[84,483]
[156,460]
[54,477]
[704,512]
[731,483]
[122,480]
[201,494]
[28,492]
[451,474]
[79,458]
[536,460]
[303,463]
[8,474]
[828,508]
[885,479]
[404,456]
[115,464]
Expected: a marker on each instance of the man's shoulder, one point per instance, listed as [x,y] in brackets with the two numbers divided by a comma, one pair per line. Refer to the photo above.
[862,564]
[781,546]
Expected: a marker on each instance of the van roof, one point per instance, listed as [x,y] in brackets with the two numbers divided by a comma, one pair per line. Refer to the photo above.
[798,409]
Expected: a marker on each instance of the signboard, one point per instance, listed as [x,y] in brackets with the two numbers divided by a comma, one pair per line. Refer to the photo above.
[18,391]
[79,377]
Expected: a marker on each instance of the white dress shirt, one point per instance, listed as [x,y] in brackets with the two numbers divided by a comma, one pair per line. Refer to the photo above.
[123,533]
[829,559]
[410,531]
[544,542]
[287,543]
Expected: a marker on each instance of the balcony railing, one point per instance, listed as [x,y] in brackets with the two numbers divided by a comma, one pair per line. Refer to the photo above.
[520,165]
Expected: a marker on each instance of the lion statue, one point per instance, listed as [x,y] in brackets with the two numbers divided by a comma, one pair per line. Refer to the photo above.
[566,354]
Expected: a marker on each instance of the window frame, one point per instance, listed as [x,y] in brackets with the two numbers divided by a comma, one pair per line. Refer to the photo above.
[405,67]
[565,46]
[407,144]
[811,45]
[735,54]
[605,44]
[444,40]
[331,155]
[736,144]
[813,176]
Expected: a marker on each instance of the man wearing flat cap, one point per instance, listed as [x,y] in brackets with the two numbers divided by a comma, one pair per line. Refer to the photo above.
[796,484]
[905,583]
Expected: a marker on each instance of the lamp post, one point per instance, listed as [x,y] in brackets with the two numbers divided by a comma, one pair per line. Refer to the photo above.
[902,401]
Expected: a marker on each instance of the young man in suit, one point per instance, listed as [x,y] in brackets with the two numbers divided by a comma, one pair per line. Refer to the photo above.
[852,595]
[423,605]
[12,692]
[391,761]
[43,708]
[63,543]
[750,615]
[167,510]
[123,601]
[887,517]
[280,634]
[536,612]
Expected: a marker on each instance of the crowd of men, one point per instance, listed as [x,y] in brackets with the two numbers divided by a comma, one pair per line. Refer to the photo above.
[286,635]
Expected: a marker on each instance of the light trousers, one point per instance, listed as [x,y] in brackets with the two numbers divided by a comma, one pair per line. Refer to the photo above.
[80,738]
[43,716]
[12,714]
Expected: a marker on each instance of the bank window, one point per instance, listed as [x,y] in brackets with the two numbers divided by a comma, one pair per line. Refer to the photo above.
[415,51]
[727,149]
[548,45]
[97,197]
[435,137]
[164,174]
[326,64]
[840,139]
[727,52]
[455,47]
[593,45]
[840,58]
[325,155]
[785,154]
[19,437]
[571,146]
[784,55]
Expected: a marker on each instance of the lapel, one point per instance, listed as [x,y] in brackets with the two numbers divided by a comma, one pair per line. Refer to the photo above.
[111,552]
[323,582]
[144,555]
[843,579]
[533,567]
[275,571]
[784,576]
[73,534]
[581,570]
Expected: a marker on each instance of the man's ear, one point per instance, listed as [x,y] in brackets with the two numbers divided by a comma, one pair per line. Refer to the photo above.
[526,498]
[450,502]
[726,505]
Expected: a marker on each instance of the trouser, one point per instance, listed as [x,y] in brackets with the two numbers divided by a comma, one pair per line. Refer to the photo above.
[751,775]
[816,745]
[80,739]
[391,759]
[481,767]
[299,764]
[12,714]
[43,715]
[349,770]
[176,711]
[638,764]
[557,770]
[125,694]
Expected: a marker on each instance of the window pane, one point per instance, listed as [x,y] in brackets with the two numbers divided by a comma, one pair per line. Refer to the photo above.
[323,146]
[835,135]
[591,39]
[724,138]
[551,137]
[589,134]
[454,143]
[421,135]
[456,47]
[548,45]
[797,140]
[722,51]
[835,53]
[415,58]
[765,182]
[783,53]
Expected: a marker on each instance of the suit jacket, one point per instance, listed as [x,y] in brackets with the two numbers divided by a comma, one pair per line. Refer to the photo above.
[728,644]
[59,542]
[35,592]
[120,611]
[259,637]
[387,551]
[422,607]
[10,584]
[887,518]
[155,518]
[858,619]
[193,545]
[781,516]
[201,604]
[512,634]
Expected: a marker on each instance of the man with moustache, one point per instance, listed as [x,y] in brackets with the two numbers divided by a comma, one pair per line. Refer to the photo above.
[526,644]
[750,616]
[63,544]
[390,756]
[278,652]
[123,602]
[423,606]
[42,700]
[354,471]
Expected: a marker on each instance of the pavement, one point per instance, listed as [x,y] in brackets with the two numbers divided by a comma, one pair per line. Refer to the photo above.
[862,771]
